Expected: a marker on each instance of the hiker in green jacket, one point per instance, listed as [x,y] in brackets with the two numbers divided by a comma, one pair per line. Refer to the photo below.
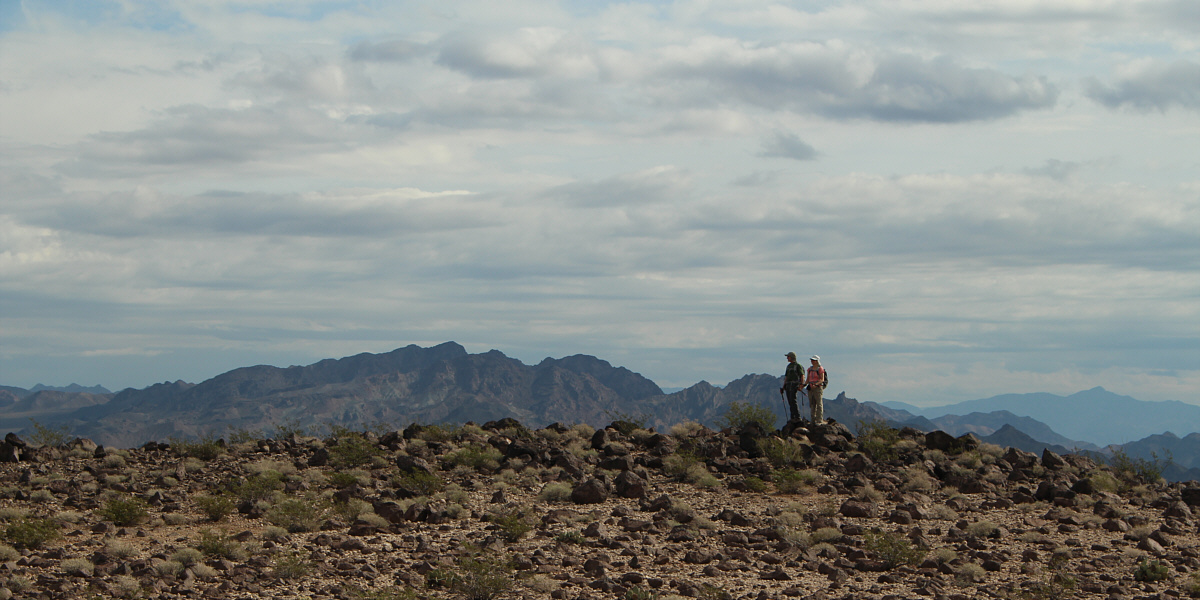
[792,379]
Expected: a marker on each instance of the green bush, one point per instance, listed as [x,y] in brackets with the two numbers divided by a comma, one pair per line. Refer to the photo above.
[420,483]
[475,456]
[24,532]
[214,508]
[259,487]
[47,436]
[1138,469]
[893,548]
[127,510]
[1150,570]
[512,526]
[216,544]
[297,515]
[791,481]
[555,491]
[755,484]
[782,453]
[475,577]
[571,536]
[627,423]
[741,414]
[290,565]
[343,479]
[352,449]
[206,447]
[878,440]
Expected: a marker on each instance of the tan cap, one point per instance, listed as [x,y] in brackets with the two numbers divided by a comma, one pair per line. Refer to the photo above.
[790,355]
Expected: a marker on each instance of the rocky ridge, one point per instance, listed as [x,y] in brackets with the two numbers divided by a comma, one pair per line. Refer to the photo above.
[503,511]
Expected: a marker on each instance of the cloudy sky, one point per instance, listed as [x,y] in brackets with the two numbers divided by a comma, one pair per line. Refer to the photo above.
[947,200]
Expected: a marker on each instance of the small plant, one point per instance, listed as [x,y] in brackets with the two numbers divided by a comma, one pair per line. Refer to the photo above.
[476,577]
[1056,584]
[169,568]
[187,556]
[124,510]
[352,449]
[8,553]
[571,536]
[754,484]
[1135,470]
[986,529]
[420,483]
[712,592]
[791,481]
[513,526]
[52,437]
[627,423]
[118,549]
[640,593]
[78,566]
[555,491]
[297,515]
[740,414]
[205,448]
[969,574]
[219,545]
[893,548]
[476,456]
[878,440]
[214,508]
[343,479]
[783,454]
[258,487]
[30,533]
[1150,570]
[290,566]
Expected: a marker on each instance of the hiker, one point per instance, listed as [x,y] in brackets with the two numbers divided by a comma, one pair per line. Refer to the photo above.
[815,381]
[792,378]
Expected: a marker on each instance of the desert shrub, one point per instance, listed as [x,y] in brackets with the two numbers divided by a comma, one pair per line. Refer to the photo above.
[41,497]
[555,492]
[352,449]
[343,479]
[175,519]
[878,440]
[686,429]
[53,437]
[169,568]
[352,509]
[125,586]
[274,533]
[712,592]
[570,536]
[916,479]
[437,433]
[290,565]
[258,487]
[214,508]
[476,456]
[627,423]
[740,414]
[969,573]
[792,481]
[420,482]
[682,465]
[481,577]
[945,555]
[1055,583]
[826,534]
[78,566]
[187,556]
[297,515]
[1135,470]
[114,461]
[640,593]
[754,484]
[30,532]
[217,544]
[782,453]
[512,526]
[1150,570]
[8,553]
[119,549]
[983,529]
[205,448]
[124,510]
[893,548]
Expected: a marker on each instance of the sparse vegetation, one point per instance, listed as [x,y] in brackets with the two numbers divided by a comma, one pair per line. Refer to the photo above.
[124,510]
[742,414]
[24,532]
[51,437]
[892,548]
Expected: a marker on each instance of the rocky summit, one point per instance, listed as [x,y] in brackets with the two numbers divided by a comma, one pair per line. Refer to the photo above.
[573,512]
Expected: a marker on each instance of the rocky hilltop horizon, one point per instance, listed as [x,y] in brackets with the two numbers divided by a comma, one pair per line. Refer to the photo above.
[502,510]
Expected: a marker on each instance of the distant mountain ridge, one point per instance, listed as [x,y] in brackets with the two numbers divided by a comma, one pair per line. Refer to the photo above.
[444,383]
[1096,415]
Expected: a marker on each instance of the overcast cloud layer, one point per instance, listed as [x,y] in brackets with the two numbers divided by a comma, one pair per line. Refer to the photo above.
[945,200]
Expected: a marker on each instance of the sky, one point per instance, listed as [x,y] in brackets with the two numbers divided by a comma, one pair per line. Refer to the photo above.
[946,200]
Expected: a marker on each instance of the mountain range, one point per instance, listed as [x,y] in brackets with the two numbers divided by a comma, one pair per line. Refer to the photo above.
[444,383]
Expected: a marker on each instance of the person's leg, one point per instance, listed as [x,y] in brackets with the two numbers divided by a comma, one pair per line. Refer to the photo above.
[818,407]
[791,398]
